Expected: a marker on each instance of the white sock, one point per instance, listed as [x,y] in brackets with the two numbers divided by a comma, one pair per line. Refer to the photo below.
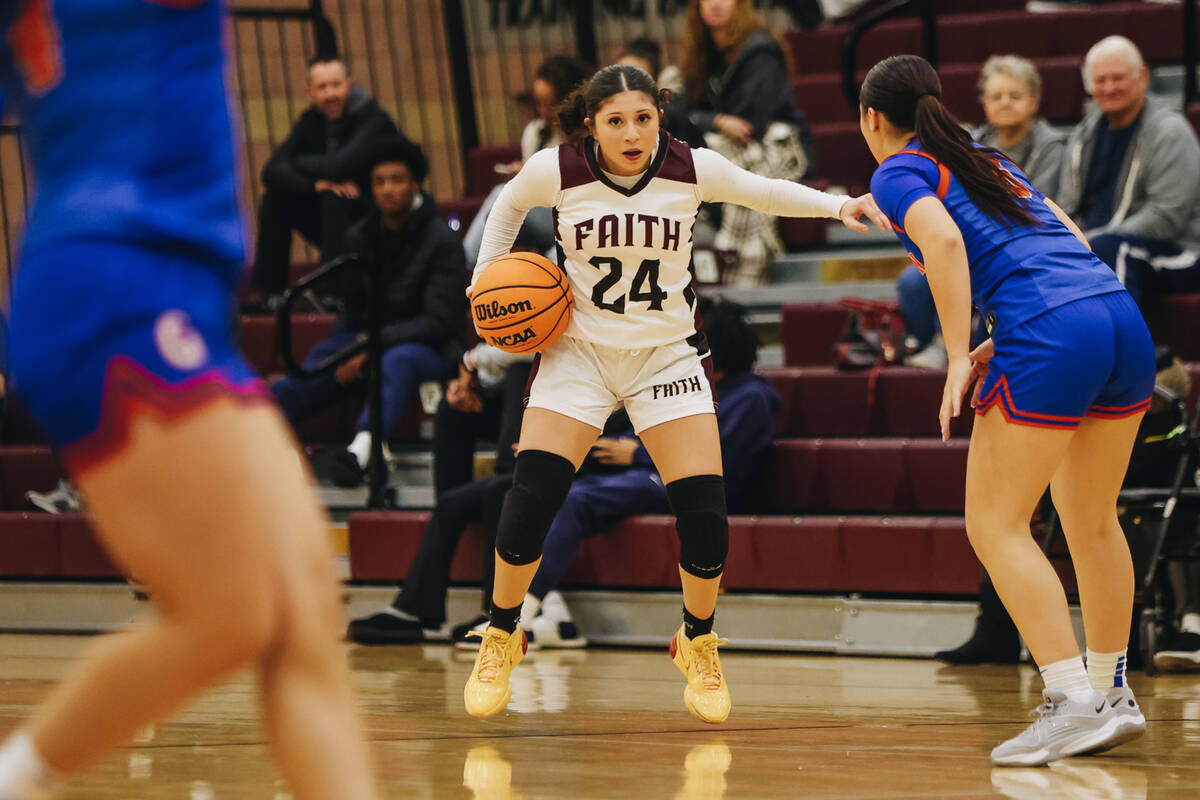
[1068,676]
[23,773]
[530,608]
[395,612]
[1190,623]
[360,448]
[1106,670]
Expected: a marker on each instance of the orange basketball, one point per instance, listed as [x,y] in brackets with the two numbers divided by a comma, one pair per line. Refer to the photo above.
[522,303]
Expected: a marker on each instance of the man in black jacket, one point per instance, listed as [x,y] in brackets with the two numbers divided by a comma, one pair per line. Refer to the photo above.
[317,179]
[424,316]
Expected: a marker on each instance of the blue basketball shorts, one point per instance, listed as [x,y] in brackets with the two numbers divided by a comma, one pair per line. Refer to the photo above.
[101,331]
[1091,357]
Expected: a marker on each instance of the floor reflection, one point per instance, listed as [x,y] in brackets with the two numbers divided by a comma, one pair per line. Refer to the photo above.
[488,774]
[1072,780]
[704,770]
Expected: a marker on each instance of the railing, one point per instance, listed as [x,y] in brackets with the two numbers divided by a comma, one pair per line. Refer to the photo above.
[378,495]
[1190,33]
[896,8]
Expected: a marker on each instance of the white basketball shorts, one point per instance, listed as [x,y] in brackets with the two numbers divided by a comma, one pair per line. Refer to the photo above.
[588,381]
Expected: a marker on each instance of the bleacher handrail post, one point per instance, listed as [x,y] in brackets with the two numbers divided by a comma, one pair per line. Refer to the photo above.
[1189,51]
[869,21]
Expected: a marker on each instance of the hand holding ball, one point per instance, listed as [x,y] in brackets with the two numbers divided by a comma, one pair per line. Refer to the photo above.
[521,303]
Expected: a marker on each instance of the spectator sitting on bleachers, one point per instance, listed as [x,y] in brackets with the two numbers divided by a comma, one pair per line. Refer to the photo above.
[1131,177]
[315,181]
[596,503]
[423,283]
[555,78]
[1010,90]
[645,53]
[485,401]
[737,100]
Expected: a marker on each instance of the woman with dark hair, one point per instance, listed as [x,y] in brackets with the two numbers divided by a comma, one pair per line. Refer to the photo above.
[1069,365]
[625,197]
[554,79]
[737,100]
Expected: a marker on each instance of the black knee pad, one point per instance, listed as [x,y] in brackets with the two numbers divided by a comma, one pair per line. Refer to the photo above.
[701,522]
[541,481]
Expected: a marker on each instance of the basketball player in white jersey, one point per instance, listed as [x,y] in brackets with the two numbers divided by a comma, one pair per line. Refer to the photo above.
[625,196]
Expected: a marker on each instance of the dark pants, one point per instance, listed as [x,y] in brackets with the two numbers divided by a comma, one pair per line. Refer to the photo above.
[405,367]
[456,433]
[915,299]
[423,593]
[595,504]
[1148,268]
[320,217]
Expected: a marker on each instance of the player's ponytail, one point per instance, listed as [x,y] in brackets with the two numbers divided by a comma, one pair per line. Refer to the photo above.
[907,91]
[584,102]
[572,111]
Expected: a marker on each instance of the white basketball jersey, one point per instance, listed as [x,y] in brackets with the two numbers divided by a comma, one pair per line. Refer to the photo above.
[626,251]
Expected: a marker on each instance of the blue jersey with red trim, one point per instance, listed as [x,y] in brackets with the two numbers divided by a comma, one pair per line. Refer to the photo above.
[135,149]
[1017,271]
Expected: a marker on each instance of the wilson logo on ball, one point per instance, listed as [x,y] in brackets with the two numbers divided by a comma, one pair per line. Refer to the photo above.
[521,303]
[512,339]
[497,310]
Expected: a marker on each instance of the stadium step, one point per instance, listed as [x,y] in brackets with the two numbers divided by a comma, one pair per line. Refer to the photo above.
[976,35]
[809,330]
[909,555]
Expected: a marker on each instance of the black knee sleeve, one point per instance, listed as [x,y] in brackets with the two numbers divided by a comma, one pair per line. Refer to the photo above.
[541,481]
[701,522]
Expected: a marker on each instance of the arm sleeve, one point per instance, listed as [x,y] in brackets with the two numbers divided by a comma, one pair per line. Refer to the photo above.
[444,304]
[280,173]
[535,185]
[720,181]
[1172,172]
[351,158]
[897,186]
[491,363]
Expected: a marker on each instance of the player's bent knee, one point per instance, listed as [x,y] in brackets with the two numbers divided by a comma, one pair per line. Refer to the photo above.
[702,524]
[541,481]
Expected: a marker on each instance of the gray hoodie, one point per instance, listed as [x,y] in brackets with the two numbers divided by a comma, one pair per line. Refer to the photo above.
[1158,189]
[1039,154]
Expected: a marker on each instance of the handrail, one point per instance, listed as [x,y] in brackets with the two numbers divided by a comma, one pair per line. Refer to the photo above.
[870,20]
[377,494]
[1189,51]
[283,322]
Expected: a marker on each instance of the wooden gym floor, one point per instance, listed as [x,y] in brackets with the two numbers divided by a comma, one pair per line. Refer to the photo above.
[611,724]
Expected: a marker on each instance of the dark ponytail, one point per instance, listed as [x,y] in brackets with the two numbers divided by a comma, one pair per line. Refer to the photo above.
[585,101]
[907,91]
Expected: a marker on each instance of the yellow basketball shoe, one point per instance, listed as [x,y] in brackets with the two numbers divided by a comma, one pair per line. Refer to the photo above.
[706,695]
[487,691]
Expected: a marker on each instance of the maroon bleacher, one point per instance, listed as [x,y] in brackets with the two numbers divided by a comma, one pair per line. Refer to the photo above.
[34,545]
[911,555]
[883,475]
[976,35]
[809,331]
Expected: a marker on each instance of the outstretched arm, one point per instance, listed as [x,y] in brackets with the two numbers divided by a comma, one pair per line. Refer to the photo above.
[720,181]
[932,229]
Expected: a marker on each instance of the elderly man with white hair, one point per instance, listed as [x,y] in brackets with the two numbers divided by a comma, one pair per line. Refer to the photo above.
[1131,176]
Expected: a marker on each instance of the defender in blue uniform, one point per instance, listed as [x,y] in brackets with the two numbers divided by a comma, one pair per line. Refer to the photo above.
[120,344]
[1069,365]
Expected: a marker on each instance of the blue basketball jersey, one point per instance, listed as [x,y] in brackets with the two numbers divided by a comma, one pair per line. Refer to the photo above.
[1017,271]
[128,124]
